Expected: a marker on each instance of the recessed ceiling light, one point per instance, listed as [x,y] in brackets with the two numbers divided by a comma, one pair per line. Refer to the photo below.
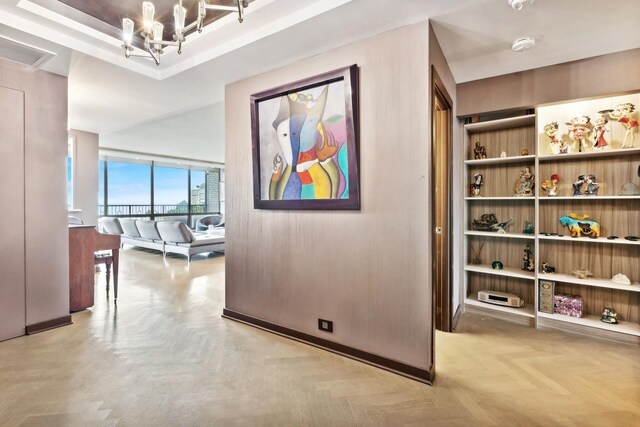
[523,43]
[519,4]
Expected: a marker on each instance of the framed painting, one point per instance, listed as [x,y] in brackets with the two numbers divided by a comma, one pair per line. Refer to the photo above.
[305,143]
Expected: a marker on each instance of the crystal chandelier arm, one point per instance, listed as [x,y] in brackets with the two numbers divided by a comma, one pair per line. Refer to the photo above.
[239,8]
[155,56]
[165,42]
[221,7]
[152,30]
[190,27]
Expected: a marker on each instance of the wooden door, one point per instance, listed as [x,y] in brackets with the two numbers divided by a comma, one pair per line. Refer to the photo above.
[12,233]
[441,150]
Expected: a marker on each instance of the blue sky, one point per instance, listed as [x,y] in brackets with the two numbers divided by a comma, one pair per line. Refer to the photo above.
[131,184]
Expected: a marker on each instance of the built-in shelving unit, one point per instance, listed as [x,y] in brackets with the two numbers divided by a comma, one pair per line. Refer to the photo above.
[500,160]
[617,215]
[514,198]
[603,240]
[595,322]
[507,272]
[587,199]
[498,196]
[526,311]
[624,152]
[590,281]
[499,235]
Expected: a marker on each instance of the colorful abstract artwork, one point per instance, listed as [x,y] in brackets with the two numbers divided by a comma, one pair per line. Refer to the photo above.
[305,144]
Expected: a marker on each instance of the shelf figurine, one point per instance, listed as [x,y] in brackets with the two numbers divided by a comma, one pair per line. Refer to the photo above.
[484,223]
[524,152]
[547,269]
[609,315]
[551,131]
[479,152]
[527,259]
[500,226]
[503,154]
[476,258]
[496,265]
[620,279]
[630,189]
[577,186]
[579,129]
[550,186]
[592,185]
[582,273]
[600,130]
[476,184]
[579,225]
[623,113]
[524,186]
[564,148]
[528,228]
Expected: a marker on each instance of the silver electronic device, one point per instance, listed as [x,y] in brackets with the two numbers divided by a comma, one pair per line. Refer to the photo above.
[500,298]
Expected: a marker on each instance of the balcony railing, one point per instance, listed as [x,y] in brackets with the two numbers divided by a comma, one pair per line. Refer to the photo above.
[145,210]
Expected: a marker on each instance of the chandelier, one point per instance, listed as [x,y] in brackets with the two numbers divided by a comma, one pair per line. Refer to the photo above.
[152,31]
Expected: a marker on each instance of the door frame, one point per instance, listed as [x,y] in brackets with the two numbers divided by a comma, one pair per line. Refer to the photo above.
[442,296]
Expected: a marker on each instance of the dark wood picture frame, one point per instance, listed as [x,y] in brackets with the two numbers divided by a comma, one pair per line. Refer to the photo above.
[349,75]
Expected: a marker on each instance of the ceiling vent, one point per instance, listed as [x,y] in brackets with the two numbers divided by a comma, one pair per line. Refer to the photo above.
[15,51]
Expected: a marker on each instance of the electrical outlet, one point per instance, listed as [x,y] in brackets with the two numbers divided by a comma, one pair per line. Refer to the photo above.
[325,325]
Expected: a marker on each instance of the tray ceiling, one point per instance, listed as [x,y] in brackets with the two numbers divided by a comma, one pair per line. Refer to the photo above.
[112,12]
[94,28]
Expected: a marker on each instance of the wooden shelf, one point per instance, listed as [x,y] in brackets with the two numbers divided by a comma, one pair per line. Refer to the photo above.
[526,311]
[603,240]
[589,154]
[500,198]
[499,160]
[511,122]
[500,235]
[506,271]
[629,328]
[582,198]
[591,281]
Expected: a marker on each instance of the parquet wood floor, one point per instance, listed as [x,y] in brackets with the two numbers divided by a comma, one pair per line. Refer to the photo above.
[165,357]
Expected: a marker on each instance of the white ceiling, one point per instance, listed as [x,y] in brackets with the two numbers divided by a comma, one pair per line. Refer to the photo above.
[108,93]
[477,39]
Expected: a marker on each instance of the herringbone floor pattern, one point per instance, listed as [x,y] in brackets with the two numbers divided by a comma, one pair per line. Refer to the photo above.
[165,357]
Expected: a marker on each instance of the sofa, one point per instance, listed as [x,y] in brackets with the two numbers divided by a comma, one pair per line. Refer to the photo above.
[165,236]
[203,223]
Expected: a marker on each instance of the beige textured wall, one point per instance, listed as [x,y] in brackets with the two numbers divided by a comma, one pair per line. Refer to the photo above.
[46,234]
[367,270]
[12,274]
[85,181]
[598,76]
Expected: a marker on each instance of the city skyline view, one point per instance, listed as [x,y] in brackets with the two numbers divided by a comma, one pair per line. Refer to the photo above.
[130,184]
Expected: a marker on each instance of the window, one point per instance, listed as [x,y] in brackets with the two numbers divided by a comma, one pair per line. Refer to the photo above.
[70,149]
[101,182]
[157,191]
[170,190]
[222,192]
[128,189]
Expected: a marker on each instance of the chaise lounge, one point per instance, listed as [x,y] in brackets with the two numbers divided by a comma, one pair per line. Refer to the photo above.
[166,236]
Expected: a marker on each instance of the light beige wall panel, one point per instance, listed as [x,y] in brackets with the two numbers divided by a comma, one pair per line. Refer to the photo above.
[47,259]
[12,274]
[45,197]
[597,76]
[86,176]
[367,270]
